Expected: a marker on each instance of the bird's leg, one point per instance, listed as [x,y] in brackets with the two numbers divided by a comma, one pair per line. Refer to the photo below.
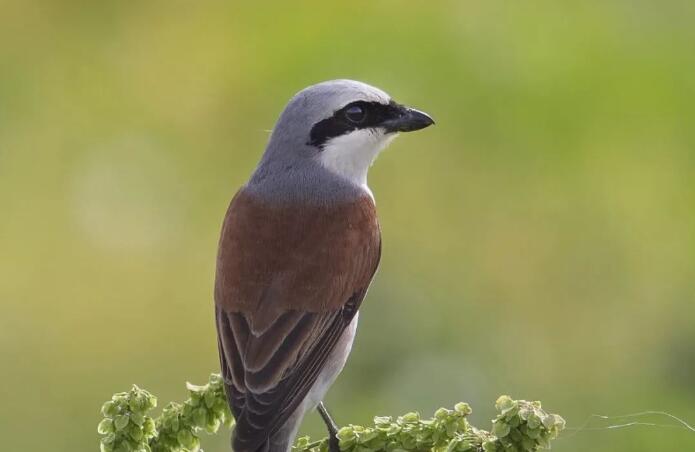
[333,443]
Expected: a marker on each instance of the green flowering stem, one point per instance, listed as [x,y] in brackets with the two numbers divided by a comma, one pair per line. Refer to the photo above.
[519,426]
[127,427]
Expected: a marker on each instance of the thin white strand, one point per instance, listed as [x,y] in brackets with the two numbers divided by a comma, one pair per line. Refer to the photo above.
[585,426]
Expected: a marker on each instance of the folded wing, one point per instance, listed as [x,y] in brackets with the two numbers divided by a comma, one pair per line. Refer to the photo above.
[289,281]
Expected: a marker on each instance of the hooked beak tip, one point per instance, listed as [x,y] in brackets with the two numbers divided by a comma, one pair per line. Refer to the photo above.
[409,120]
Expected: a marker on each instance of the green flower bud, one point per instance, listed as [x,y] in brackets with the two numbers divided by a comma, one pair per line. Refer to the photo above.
[105,426]
[533,421]
[213,425]
[210,399]
[121,421]
[441,413]
[136,433]
[185,438]
[382,421]
[149,427]
[504,403]
[150,401]
[528,444]
[137,419]
[200,417]
[500,429]
[109,409]
[368,436]
[514,421]
[524,413]
[533,433]
[463,409]
[345,433]
[109,439]
[411,417]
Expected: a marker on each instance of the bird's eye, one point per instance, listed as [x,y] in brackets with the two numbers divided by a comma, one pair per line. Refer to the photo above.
[355,114]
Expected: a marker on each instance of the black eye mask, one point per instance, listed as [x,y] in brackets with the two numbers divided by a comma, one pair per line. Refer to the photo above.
[354,116]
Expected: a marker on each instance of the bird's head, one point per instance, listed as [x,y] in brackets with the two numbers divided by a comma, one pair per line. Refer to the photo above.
[341,125]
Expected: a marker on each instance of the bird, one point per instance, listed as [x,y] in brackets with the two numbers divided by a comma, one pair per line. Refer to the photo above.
[299,246]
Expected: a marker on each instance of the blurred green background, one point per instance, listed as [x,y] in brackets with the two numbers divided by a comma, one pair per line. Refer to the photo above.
[539,241]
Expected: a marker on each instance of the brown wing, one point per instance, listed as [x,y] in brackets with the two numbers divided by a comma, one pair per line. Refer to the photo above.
[289,281]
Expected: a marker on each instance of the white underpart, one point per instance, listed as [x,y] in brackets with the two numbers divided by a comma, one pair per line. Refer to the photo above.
[351,155]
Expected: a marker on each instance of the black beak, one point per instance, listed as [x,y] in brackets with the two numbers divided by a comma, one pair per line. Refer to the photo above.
[408,120]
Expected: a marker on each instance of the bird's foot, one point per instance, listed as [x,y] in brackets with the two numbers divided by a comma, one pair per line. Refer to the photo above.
[333,442]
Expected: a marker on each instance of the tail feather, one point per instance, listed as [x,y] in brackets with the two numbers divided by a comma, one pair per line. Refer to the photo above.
[278,443]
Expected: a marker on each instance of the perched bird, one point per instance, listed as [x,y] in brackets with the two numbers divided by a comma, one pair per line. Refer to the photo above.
[299,246]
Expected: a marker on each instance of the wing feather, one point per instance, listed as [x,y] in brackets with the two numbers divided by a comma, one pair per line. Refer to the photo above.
[289,281]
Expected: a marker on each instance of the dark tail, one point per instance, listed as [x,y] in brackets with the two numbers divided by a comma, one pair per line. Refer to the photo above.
[278,443]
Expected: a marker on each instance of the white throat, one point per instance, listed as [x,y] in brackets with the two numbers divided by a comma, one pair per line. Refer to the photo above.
[351,155]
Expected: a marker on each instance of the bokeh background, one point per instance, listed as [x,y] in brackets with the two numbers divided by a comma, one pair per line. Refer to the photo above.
[539,241]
